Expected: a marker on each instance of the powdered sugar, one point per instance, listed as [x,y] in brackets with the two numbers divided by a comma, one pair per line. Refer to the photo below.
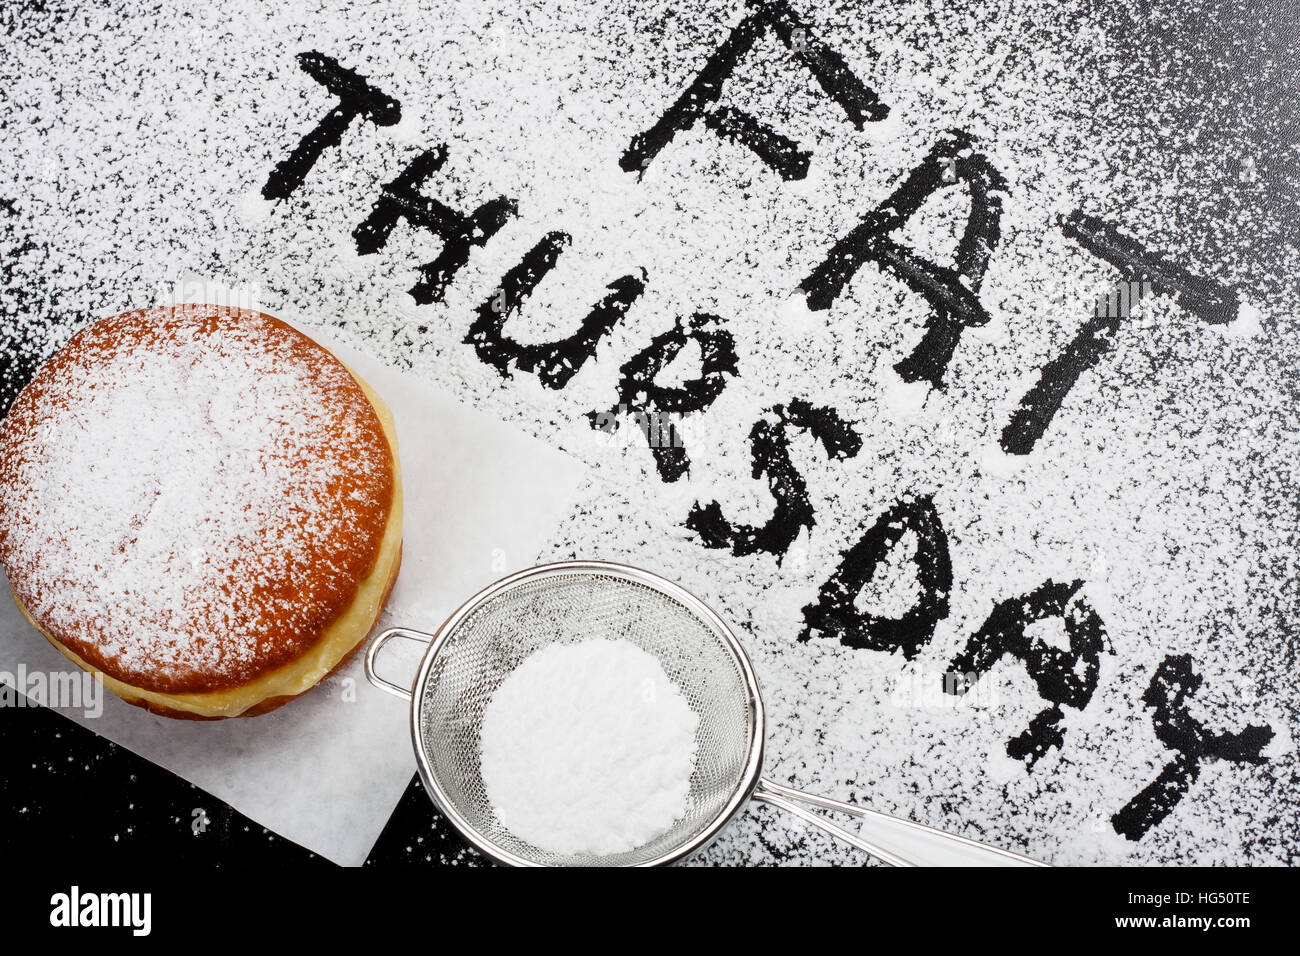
[588,748]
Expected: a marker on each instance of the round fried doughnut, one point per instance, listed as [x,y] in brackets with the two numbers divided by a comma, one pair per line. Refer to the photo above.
[202,505]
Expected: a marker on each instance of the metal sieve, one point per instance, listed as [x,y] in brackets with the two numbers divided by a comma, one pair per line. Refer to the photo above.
[495,630]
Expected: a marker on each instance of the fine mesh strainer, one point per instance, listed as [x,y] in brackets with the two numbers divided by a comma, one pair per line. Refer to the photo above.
[493,632]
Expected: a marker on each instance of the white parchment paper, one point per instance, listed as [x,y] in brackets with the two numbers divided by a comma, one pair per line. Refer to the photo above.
[326,771]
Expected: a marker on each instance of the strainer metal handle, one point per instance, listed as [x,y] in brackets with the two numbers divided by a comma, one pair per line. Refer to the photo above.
[372,652]
[788,799]
[770,796]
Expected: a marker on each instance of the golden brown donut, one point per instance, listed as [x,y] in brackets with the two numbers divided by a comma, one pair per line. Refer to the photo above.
[202,505]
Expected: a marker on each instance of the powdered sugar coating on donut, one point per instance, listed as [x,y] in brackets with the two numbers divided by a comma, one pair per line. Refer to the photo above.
[189,496]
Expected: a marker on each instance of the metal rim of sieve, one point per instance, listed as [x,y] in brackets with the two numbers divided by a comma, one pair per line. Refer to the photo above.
[745,784]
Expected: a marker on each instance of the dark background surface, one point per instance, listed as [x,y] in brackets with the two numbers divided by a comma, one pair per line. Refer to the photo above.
[69,793]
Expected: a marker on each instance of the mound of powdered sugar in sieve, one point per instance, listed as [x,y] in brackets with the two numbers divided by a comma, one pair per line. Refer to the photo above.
[588,748]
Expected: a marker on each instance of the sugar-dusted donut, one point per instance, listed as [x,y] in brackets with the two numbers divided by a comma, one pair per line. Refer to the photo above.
[202,505]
